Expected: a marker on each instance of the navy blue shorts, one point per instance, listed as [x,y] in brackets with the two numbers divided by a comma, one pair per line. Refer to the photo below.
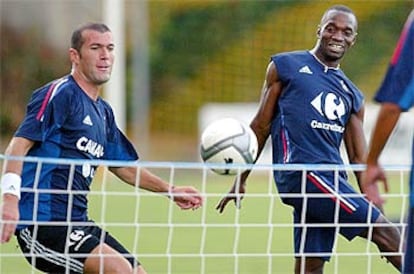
[325,209]
[54,249]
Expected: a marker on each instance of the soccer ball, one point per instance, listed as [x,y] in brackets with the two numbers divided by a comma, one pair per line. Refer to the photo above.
[228,141]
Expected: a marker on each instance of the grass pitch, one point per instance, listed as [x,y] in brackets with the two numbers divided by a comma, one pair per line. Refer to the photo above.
[255,239]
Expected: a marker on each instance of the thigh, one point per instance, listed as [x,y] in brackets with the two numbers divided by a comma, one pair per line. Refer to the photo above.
[338,203]
[331,201]
[311,239]
[104,237]
[116,245]
[59,247]
[104,259]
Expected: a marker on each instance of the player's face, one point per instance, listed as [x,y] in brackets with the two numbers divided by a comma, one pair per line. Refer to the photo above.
[336,35]
[96,56]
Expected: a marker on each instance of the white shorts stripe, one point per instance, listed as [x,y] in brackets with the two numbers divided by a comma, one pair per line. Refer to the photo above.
[335,194]
[47,254]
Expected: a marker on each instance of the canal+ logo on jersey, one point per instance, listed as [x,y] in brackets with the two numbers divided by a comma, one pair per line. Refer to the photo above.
[330,106]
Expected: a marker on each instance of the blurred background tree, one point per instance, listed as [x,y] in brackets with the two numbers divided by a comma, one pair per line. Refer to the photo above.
[200,52]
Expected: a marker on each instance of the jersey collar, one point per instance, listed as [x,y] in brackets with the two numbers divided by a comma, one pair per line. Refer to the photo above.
[325,67]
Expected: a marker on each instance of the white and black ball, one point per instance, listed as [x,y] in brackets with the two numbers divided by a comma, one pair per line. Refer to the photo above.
[228,141]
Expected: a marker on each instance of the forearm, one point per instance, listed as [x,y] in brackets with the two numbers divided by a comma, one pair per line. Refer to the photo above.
[152,182]
[386,121]
[142,178]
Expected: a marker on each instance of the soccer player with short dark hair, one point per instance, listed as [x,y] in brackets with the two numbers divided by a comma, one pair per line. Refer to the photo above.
[68,119]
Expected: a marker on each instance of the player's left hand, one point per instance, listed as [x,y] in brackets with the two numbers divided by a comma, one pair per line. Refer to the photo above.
[186,197]
[235,194]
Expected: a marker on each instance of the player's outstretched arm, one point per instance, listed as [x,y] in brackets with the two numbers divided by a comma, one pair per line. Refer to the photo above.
[260,125]
[186,197]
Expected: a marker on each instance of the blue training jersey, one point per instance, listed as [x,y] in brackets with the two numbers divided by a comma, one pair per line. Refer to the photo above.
[313,109]
[64,122]
[398,84]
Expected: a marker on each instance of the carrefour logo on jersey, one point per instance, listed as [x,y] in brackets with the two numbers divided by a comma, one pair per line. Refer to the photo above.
[90,146]
[330,106]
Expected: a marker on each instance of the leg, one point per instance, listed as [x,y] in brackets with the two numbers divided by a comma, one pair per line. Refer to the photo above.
[312,266]
[104,259]
[356,210]
[387,239]
[139,270]
[312,239]
[56,249]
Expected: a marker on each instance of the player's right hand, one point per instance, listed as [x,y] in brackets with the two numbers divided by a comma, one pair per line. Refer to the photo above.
[9,216]
[369,185]
[236,194]
[186,197]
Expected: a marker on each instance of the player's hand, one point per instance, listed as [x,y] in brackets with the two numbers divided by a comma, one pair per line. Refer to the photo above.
[186,197]
[372,175]
[9,217]
[235,194]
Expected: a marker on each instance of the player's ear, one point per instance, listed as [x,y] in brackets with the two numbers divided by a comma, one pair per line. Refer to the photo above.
[74,55]
[318,31]
[354,40]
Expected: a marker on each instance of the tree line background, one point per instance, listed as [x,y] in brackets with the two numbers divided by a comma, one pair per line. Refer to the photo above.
[200,52]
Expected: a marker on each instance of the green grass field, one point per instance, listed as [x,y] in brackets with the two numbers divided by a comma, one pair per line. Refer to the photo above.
[169,240]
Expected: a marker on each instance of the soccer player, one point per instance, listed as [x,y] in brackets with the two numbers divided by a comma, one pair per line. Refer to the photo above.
[67,118]
[309,106]
[396,94]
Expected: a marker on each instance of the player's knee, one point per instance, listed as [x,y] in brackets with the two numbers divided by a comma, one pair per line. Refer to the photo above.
[312,265]
[103,259]
[386,236]
[139,270]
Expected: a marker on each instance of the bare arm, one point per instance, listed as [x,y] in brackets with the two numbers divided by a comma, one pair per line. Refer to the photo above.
[261,125]
[17,147]
[271,91]
[387,119]
[186,197]
[355,141]
[147,180]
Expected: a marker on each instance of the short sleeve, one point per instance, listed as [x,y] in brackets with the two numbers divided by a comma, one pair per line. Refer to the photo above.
[398,78]
[47,109]
[118,147]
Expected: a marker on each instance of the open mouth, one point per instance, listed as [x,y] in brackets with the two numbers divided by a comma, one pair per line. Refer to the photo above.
[336,47]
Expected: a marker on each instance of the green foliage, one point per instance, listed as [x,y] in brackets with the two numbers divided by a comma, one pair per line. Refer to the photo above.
[188,43]
[210,55]
[192,36]
[27,62]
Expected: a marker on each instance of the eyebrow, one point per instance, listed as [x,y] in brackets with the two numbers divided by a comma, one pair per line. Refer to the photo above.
[348,27]
[102,45]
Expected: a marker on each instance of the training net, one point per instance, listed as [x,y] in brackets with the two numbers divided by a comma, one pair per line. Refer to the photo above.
[258,238]
[201,60]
